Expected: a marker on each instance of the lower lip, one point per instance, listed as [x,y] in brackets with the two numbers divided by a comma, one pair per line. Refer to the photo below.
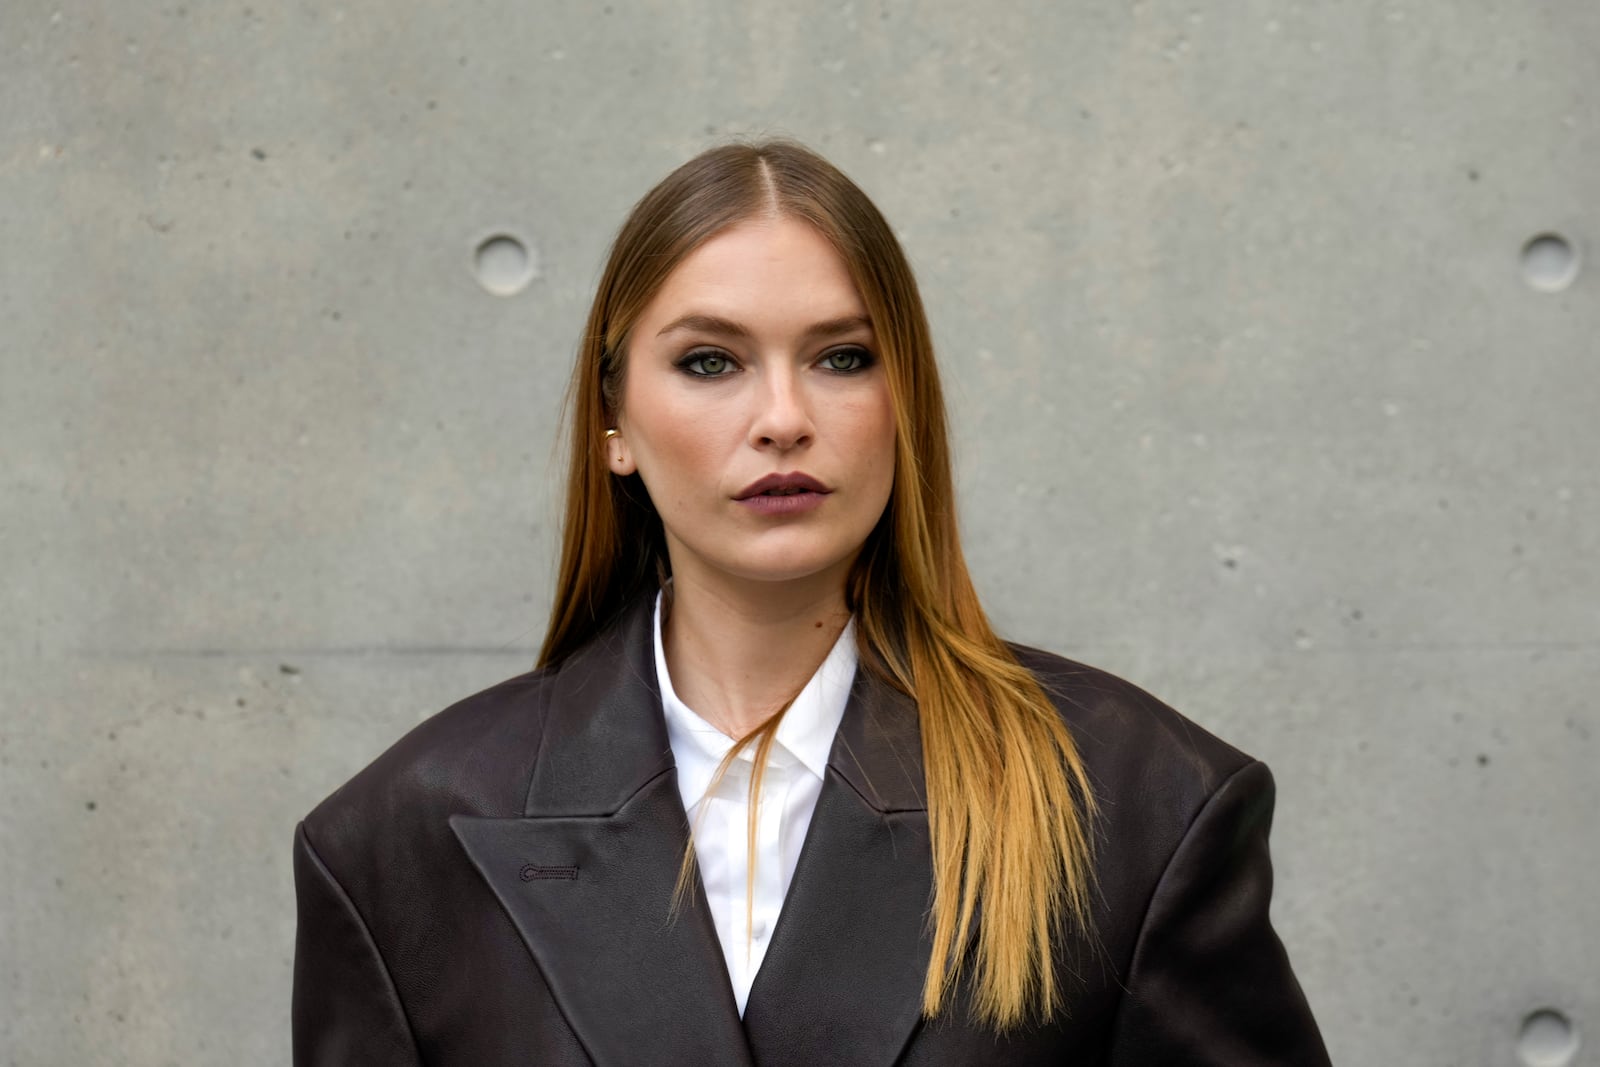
[785,504]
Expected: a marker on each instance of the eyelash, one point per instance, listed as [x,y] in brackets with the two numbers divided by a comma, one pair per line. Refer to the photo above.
[863,357]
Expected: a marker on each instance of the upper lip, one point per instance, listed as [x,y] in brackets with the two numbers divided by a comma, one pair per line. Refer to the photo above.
[773,482]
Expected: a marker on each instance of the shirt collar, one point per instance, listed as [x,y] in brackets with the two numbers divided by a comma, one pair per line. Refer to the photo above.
[806,732]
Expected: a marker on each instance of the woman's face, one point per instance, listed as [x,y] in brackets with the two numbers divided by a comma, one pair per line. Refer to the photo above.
[755,410]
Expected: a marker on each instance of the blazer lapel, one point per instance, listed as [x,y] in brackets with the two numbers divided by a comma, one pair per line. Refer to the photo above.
[587,874]
[842,979]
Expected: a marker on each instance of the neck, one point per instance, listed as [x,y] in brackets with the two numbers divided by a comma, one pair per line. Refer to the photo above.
[737,654]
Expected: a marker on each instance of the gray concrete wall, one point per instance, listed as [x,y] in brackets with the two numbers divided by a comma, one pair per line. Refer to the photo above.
[1255,406]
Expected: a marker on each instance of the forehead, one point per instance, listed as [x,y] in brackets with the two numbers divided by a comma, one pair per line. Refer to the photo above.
[778,271]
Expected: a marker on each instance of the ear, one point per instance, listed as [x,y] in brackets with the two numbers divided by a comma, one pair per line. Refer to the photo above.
[619,457]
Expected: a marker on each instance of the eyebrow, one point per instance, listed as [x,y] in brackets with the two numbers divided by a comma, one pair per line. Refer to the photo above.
[722,327]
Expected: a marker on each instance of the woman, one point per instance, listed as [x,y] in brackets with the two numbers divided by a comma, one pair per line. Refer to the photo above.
[777,794]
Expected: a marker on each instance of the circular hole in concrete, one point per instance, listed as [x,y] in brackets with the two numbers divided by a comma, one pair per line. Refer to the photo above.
[1549,262]
[504,265]
[1548,1039]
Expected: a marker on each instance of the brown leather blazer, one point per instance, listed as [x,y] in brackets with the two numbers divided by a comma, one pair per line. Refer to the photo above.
[494,890]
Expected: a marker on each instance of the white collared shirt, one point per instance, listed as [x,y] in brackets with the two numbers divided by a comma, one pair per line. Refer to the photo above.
[789,791]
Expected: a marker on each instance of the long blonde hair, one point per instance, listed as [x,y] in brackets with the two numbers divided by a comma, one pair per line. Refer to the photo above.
[1009,803]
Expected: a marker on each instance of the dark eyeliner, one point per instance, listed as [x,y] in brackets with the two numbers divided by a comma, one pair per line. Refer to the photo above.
[685,363]
[864,358]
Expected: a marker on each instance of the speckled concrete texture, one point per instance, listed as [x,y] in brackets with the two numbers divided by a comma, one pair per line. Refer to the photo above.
[1254,405]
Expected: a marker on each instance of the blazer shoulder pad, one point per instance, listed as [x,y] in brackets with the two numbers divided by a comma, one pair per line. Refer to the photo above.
[474,757]
[1128,737]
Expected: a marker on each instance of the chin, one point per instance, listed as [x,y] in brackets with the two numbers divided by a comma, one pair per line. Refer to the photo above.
[791,566]
[789,571]
[776,556]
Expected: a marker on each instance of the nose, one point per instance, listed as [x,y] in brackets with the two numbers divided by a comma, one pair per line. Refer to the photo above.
[782,419]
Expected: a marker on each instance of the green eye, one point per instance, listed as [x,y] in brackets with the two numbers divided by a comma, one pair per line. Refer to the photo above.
[707,365]
[846,359]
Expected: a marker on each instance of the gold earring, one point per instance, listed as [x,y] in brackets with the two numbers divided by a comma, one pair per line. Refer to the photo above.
[613,432]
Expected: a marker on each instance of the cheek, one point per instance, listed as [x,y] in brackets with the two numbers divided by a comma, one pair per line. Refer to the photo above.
[678,446]
[864,428]
[868,423]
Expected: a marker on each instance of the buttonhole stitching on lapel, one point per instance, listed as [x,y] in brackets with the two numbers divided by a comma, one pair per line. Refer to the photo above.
[533,873]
